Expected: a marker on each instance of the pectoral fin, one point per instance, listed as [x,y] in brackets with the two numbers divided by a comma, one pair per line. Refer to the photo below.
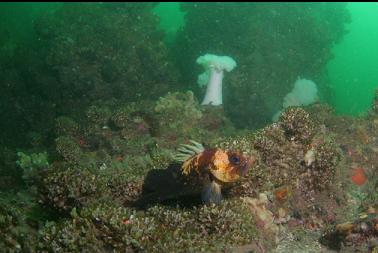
[212,193]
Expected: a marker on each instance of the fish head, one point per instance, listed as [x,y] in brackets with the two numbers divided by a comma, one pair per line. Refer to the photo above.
[230,166]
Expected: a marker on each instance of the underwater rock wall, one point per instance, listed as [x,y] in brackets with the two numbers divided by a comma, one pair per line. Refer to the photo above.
[80,53]
[272,43]
[107,51]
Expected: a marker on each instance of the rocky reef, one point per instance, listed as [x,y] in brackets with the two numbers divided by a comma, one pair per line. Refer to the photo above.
[102,166]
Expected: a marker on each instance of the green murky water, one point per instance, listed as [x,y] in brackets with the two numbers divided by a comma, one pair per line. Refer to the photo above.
[353,71]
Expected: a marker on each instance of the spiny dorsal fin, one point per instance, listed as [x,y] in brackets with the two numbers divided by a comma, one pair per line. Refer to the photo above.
[185,151]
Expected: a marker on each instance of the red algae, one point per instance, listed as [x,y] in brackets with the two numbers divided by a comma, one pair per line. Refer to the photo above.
[359,176]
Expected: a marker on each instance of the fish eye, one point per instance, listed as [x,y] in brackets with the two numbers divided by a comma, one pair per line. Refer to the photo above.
[234,160]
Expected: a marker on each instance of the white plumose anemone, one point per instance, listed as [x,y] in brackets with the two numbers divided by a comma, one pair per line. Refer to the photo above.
[213,76]
[305,92]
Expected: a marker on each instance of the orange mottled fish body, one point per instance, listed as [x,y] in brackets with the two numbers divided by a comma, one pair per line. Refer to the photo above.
[224,166]
[213,166]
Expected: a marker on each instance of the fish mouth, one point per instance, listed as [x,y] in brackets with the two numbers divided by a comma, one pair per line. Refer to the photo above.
[244,167]
[241,170]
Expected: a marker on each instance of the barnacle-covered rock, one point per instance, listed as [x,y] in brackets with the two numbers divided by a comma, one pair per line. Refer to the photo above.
[265,220]
[178,115]
[131,112]
[323,115]
[121,117]
[232,219]
[69,149]
[66,188]
[269,142]
[66,126]
[215,118]
[16,235]
[10,232]
[280,158]
[115,228]
[121,185]
[297,124]
[300,174]
[106,227]
[69,237]
[98,115]
[205,228]
[241,143]
[322,170]
[294,149]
